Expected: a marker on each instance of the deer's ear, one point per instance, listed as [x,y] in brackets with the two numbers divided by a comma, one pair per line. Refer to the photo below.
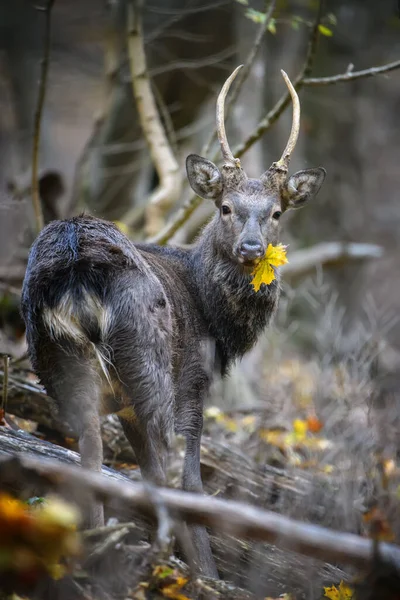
[302,186]
[204,177]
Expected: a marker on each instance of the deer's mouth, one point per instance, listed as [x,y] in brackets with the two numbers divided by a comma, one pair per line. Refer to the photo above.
[249,264]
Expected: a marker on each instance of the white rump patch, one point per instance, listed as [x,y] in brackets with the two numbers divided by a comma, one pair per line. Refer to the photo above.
[63,321]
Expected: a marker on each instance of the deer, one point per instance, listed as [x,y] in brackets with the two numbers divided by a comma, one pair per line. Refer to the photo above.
[138,329]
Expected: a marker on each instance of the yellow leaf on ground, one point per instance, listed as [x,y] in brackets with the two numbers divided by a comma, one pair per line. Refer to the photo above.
[343,592]
[275,437]
[275,256]
[35,537]
[300,429]
[173,591]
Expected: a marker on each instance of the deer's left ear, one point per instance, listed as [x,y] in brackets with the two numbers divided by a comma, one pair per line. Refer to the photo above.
[302,186]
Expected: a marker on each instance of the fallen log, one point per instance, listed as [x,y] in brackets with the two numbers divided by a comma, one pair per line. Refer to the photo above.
[228,516]
[15,443]
[27,399]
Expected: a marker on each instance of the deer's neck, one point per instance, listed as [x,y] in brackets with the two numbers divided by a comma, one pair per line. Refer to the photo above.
[236,314]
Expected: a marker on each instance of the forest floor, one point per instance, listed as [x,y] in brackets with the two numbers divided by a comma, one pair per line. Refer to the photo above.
[310,451]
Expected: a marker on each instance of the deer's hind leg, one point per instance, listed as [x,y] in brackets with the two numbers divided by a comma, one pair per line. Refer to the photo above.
[147,414]
[140,338]
[72,381]
[144,371]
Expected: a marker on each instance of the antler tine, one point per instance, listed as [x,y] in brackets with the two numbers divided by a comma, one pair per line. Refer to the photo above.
[226,151]
[294,134]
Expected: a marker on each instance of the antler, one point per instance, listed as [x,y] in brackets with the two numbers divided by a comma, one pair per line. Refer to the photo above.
[225,149]
[294,134]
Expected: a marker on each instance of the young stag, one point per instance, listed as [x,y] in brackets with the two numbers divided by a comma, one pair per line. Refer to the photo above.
[137,329]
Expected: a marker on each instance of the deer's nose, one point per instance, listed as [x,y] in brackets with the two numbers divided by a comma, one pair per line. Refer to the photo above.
[251,249]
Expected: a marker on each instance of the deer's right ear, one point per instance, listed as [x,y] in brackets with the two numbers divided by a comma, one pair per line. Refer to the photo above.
[204,177]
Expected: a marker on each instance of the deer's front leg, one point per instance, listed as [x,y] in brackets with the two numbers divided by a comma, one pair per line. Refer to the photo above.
[193,388]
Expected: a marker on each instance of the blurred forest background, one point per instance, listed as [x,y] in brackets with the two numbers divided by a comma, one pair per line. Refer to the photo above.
[333,355]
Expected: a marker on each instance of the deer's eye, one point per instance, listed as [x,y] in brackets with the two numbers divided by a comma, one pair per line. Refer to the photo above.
[225,209]
[277,215]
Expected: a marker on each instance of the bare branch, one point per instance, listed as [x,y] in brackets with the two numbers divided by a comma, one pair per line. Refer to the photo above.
[328,254]
[37,207]
[185,65]
[226,515]
[6,362]
[179,219]
[313,42]
[350,75]
[274,114]
[166,165]
[166,10]
[244,73]
[168,124]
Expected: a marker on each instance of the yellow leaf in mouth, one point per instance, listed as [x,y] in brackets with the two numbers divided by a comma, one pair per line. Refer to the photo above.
[275,256]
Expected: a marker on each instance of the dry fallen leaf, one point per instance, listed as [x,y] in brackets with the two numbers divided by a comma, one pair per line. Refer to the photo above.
[379,527]
[170,582]
[35,538]
[173,591]
[275,256]
[343,592]
[314,424]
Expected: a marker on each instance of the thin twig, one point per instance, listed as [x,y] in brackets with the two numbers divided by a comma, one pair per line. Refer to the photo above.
[168,124]
[350,75]
[89,534]
[165,525]
[216,60]
[114,538]
[6,363]
[37,206]
[233,517]
[165,163]
[244,72]
[274,114]
[179,219]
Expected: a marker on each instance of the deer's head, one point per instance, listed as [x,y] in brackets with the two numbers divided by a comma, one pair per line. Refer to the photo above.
[250,209]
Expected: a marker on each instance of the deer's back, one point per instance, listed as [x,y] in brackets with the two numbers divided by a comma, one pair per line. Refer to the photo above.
[75,254]
[84,276]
